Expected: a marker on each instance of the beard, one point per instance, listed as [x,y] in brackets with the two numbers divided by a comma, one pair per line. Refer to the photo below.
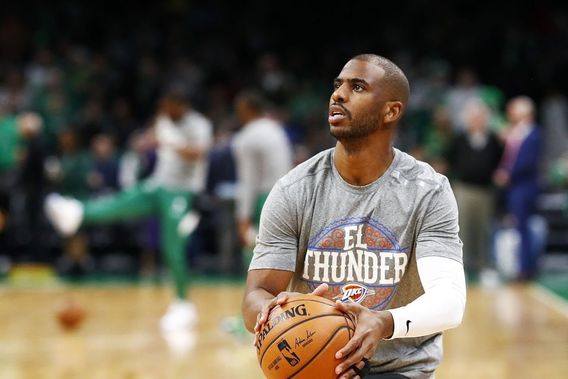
[360,128]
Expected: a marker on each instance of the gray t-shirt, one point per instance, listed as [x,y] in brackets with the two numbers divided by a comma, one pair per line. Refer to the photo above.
[263,155]
[363,241]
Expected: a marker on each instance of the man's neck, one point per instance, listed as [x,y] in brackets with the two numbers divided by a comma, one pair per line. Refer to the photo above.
[361,163]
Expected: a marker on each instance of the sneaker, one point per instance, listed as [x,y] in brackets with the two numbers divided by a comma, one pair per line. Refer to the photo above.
[180,342]
[64,213]
[181,315]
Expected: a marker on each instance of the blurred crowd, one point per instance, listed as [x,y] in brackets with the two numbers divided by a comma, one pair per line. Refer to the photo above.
[79,86]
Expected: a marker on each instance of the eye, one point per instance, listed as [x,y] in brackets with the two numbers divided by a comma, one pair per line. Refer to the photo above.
[336,85]
[357,88]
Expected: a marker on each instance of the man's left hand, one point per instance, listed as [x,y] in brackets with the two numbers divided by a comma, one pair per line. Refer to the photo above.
[371,327]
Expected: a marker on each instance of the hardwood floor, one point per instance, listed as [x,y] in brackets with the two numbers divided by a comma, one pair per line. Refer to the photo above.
[507,333]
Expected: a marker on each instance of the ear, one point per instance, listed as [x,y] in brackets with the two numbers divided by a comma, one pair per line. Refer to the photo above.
[393,111]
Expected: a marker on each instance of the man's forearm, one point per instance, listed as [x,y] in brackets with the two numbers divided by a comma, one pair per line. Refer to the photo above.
[252,305]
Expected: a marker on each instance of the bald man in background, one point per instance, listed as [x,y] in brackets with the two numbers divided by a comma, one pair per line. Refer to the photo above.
[518,176]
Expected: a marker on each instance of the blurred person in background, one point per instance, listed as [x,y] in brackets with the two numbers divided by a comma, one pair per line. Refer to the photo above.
[518,176]
[103,178]
[263,154]
[30,189]
[183,138]
[473,158]
[465,88]
[437,141]
[17,153]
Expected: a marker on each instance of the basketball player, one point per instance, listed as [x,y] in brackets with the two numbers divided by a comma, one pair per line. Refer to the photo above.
[369,226]
[183,137]
[262,154]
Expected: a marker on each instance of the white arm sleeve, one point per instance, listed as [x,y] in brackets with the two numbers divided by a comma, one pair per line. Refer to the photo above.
[441,306]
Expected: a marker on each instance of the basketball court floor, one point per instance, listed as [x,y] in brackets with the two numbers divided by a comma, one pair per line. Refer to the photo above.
[516,332]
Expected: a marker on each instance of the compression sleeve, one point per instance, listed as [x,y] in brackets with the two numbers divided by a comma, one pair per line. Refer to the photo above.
[441,306]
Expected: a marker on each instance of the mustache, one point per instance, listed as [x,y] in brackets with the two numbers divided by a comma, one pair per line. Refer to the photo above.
[347,113]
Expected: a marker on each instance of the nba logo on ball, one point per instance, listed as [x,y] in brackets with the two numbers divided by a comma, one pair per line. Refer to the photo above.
[287,352]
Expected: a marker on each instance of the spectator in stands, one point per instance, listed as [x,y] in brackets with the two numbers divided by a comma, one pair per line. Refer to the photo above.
[518,176]
[465,88]
[438,140]
[473,157]
[15,133]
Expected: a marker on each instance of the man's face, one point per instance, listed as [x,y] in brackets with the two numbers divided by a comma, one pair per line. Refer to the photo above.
[173,109]
[518,111]
[355,106]
[477,120]
[242,111]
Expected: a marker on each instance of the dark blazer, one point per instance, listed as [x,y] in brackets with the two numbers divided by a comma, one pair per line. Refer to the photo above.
[525,167]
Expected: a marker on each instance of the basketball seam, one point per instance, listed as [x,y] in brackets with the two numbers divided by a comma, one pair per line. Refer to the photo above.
[291,327]
[314,300]
[316,355]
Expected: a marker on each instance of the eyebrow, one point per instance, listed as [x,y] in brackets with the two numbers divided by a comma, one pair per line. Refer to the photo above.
[352,81]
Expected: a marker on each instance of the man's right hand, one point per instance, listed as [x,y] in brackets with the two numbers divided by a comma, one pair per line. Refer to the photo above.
[280,299]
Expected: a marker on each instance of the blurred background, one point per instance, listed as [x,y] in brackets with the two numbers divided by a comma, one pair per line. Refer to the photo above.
[80,82]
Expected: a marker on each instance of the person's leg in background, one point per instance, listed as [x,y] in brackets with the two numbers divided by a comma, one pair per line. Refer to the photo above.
[466,207]
[485,210]
[521,203]
[69,214]
[174,209]
[135,202]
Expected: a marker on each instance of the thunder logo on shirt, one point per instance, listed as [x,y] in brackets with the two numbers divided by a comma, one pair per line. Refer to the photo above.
[359,258]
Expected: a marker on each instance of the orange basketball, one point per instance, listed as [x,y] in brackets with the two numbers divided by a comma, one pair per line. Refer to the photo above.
[70,315]
[301,337]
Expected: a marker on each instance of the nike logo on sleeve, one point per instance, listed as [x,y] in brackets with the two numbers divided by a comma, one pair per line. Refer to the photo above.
[408,325]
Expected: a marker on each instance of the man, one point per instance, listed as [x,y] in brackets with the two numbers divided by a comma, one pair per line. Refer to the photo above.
[19,136]
[367,216]
[183,137]
[518,176]
[474,156]
[262,154]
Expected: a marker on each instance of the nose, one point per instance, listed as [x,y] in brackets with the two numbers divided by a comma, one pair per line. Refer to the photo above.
[339,95]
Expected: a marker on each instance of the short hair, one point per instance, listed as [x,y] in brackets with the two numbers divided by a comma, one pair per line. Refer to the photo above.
[254,100]
[176,93]
[394,77]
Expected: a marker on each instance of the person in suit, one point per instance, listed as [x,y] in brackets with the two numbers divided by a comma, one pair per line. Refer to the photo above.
[517,175]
